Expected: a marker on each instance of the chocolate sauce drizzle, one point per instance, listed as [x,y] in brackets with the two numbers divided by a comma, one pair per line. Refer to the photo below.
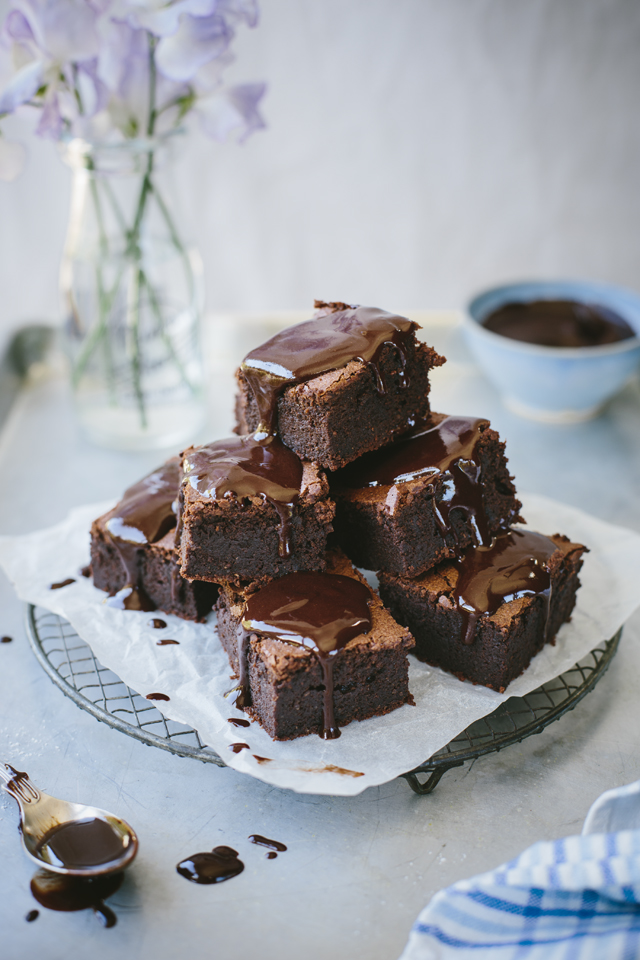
[6,639]
[157,696]
[157,623]
[221,864]
[246,467]
[514,565]
[144,515]
[32,915]
[318,611]
[82,843]
[559,323]
[274,846]
[327,342]
[446,450]
[63,583]
[238,723]
[167,643]
[56,891]
[238,747]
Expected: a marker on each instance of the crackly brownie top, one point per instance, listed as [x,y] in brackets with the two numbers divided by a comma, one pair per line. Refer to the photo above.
[146,511]
[442,448]
[338,334]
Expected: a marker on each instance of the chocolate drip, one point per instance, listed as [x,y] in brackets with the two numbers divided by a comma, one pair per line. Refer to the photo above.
[327,342]
[56,891]
[157,623]
[6,639]
[157,696]
[238,723]
[446,450]
[221,864]
[559,323]
[514,565]
[82,843]
[63,583]
[167,643]
[86,571]
[238,747]
[274,846]
[144,515]
[319,611]
[32,915]
[247,467]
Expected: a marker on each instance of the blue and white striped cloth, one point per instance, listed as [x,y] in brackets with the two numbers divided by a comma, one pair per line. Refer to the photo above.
[572,899]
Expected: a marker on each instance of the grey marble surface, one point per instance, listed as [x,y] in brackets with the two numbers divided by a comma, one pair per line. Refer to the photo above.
[358,870]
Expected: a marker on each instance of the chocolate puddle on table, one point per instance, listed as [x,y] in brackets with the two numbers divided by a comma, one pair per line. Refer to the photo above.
[273,846]
[220,864]
[69,894]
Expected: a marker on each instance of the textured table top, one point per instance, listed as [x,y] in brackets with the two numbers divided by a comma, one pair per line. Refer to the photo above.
[357,870]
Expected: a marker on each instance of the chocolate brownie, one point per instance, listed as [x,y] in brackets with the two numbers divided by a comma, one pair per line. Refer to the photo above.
[251,510]
[343,383]
[443,487]
[328,671]
[484,616]
[133,555]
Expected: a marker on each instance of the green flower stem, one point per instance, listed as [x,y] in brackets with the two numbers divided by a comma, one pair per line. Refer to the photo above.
[168,342]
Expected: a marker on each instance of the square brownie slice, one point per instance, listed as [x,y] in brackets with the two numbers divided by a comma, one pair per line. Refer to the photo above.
[251,510]
[133,551]
[434,492]
[336,386]
[286,685]
[485,616]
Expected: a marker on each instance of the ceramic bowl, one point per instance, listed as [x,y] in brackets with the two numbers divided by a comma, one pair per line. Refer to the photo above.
[554,384]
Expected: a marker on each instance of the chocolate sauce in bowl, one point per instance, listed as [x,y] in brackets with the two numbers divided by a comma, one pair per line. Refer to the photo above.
[559,323]
[514,565]
[82,843]
[56,891]
[446,449]
[221,864]
[246,467]
[327,342]
[319,611]
[144,515]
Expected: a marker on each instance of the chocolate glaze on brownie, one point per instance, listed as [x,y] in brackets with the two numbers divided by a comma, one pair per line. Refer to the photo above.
[133,551]
[320,611]
[514,565]
[327,414]
[144,515]
[327,342]
[428,496]
[515,603]
[246,467]
[286,680]
[446,448]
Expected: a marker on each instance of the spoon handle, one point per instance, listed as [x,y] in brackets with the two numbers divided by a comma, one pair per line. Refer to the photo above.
[18,785]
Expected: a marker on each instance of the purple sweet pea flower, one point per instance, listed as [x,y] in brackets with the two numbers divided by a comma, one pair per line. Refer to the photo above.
[197,41]
[231,109]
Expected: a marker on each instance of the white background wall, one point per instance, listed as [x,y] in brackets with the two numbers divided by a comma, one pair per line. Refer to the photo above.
[416,150]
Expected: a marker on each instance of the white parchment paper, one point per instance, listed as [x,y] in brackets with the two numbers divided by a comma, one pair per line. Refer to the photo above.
[195,673]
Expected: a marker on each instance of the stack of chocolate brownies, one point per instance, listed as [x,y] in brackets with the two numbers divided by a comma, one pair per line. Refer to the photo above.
[339,463]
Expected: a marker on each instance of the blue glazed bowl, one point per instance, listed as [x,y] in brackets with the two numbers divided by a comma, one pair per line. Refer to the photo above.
[554,384]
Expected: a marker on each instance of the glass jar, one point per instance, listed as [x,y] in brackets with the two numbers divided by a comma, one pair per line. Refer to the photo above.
[133,294]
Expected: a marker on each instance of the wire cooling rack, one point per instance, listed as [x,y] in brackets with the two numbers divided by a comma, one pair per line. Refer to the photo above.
[72,666]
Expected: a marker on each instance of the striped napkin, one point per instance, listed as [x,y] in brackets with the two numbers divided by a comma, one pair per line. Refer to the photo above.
[577,898]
